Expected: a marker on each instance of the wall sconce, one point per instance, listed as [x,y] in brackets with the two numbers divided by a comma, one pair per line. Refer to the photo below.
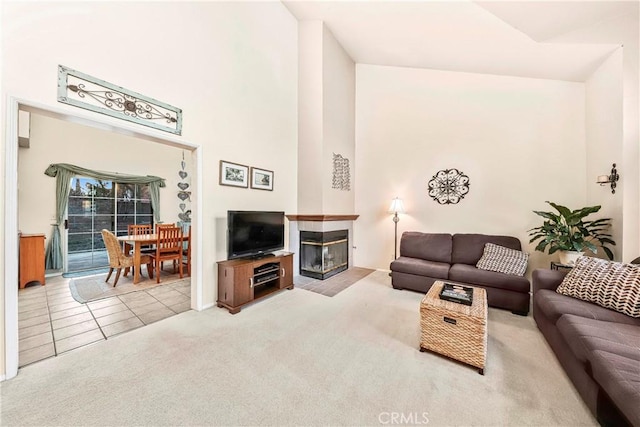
[609,179]
[396,207]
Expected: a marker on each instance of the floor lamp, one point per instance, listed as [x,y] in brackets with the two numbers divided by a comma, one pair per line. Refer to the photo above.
[396,208]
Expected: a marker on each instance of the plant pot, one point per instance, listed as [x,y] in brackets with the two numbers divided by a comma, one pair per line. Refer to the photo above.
[569,257]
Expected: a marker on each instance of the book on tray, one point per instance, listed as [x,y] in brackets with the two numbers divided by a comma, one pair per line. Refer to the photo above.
[457,293]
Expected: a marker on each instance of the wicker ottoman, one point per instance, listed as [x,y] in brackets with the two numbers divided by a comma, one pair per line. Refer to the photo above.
[455,330]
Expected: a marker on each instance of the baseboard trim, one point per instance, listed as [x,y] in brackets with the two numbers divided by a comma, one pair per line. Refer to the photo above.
[204,307]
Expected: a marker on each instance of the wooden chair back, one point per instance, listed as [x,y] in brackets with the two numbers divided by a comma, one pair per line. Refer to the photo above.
[169,241]
[187,256]
[165,224]
[138,229]
[168,248]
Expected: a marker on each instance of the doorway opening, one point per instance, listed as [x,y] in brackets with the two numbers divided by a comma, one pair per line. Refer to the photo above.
[11,225]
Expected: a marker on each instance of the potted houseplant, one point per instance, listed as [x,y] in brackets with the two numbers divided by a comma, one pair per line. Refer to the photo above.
[568,233]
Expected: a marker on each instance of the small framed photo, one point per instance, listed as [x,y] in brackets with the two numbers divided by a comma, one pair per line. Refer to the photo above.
[261,179]
[234,174]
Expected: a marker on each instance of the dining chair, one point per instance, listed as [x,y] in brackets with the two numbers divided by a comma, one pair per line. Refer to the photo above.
[165,224]
[168,248]
[186,258]
[118,259]
[160,225]
[139,229]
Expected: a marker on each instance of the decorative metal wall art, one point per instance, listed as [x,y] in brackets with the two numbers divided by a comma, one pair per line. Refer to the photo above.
[84,91]
[341,173]
[448,186]
[183,194]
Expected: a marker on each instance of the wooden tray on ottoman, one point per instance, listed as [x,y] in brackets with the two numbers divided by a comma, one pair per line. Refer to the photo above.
[455,330]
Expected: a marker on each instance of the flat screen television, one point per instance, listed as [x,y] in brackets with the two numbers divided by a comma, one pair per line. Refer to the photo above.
[254,233]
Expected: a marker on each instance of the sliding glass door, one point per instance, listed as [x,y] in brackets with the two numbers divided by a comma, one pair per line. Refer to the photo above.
[95,205]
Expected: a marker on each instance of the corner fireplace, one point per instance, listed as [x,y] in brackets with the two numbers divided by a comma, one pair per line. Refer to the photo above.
[323,254]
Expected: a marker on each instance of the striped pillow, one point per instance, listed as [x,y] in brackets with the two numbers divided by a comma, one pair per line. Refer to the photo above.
[613,285]
[503,260]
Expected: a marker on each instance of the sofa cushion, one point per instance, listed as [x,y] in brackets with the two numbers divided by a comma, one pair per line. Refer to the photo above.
[613,285]
[553,305]
[543,278]
[474,276]
[468,248]
[428,246]
[584,336]
[438,270]
[503,260]
[619,376]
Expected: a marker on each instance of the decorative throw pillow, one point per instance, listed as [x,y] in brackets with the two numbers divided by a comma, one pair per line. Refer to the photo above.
[610,284]
[503,260]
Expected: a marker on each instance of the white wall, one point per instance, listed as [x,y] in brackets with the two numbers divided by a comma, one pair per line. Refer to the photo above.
[310,117]
[230,66]
[624,30]
[339,91]
[605,144]
[521,142]
[326,118]
[56,141]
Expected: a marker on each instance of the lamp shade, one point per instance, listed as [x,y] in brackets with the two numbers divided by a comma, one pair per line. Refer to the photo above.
[396,206]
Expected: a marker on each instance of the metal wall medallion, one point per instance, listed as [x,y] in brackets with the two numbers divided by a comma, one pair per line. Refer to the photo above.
[341,173]
[448,186]
[84,91]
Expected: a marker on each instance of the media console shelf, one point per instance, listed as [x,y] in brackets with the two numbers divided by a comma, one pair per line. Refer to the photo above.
[241,281]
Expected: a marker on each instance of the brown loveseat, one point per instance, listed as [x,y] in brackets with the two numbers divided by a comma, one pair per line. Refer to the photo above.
[598,348]
[427,257]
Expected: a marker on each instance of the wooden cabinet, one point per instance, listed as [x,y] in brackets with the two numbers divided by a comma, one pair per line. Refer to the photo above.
[31,259]
[241,281]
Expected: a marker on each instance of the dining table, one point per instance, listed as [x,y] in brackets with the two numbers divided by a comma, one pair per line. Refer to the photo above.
[137,242]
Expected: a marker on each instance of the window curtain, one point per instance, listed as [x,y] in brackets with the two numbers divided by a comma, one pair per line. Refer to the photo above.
[64,172]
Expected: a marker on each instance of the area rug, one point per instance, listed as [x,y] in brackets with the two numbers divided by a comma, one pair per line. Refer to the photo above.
[92,288]
[335,284]
[85,273]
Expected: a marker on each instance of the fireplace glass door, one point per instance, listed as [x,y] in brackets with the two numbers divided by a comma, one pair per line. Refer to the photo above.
[323,254]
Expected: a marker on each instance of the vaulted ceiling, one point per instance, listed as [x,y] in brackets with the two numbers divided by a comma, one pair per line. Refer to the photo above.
[494,37]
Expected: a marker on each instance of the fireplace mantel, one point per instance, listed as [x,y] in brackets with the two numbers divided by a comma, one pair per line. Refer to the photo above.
[322,217]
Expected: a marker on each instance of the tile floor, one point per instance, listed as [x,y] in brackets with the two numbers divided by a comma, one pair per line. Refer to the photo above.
[333,285]
[51,322]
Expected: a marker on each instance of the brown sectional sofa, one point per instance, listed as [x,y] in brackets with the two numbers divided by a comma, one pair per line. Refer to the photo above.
[598,348]
[427,257]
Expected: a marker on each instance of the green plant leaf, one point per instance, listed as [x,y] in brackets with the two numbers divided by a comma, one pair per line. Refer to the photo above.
[564,211]
[569,231]
[608,252]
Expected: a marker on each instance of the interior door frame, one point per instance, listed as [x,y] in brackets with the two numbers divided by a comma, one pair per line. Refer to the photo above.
[14,104]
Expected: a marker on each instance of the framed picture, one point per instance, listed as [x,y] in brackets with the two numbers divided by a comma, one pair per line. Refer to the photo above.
[261,179]
[234,174]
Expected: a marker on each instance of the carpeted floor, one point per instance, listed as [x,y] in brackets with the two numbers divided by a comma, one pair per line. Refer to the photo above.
[298,358]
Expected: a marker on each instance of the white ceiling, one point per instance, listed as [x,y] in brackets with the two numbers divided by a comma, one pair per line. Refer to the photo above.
[493,37]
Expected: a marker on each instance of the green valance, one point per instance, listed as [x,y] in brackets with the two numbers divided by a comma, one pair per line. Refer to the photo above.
[121,178]
[64,172]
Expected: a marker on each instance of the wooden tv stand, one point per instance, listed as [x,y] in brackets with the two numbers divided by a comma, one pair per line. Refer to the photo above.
[241,281]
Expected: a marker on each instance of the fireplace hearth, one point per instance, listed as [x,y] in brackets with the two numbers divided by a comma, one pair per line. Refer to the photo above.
[323,254]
